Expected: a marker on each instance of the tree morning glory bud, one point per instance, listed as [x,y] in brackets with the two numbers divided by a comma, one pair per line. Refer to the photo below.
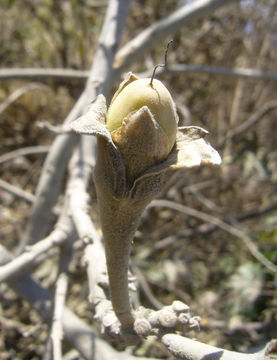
[143,122]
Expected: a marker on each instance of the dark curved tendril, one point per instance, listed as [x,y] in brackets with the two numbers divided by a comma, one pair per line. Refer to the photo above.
[161,65]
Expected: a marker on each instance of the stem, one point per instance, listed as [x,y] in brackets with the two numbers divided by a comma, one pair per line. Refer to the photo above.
[119,212]
[119,218]
[119,223]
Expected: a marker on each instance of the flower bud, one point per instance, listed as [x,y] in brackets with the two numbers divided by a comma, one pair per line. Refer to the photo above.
[143,121]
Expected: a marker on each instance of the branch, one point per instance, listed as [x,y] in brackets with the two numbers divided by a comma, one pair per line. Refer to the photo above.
[217,70]
[251,121]
[50,183]
[81,167]
[59,300]
[204,229]
[188,349]
[235,231]
[15,190]
[162,28]
[76,332]
[61,234]
[19,92]
[146,288]
[56,332]
[43,73]
[99,81]
[29,150]
[82,338]
[53,129]
[82,75]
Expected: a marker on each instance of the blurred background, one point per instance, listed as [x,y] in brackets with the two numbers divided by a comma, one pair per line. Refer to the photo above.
[215,260]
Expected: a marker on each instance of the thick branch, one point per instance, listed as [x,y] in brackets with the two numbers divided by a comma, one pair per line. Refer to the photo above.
[99,82]
[188,349]
[80,170]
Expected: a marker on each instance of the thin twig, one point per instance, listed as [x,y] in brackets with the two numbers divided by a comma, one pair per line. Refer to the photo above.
[53,129]
[59,301]
[82,75]
[16,191]
[218,70]
[204,200]
[146,288]
[56,330]
[203,230]
[235,231]
[20,328]
[19,92]
[169,287]
[43,73]
[59,235]
[29,150]
[259,212]
[251,121]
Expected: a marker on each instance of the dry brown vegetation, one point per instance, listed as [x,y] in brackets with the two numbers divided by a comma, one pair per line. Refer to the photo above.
[175,255]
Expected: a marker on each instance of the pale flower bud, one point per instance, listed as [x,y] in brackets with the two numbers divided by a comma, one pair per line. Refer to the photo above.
[143,122]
